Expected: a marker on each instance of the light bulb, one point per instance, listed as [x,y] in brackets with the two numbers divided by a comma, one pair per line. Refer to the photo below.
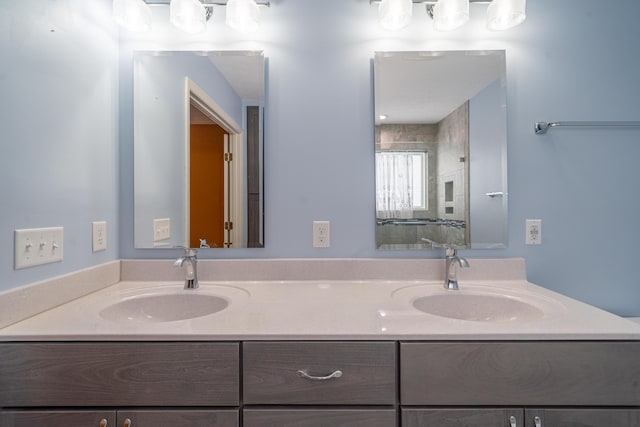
[395,14]
[188,15]
[450,14]
[243,15]
[505,14]
[134,15]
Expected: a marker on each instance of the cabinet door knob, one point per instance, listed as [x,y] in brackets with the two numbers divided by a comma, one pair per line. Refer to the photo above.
[537,421]
[303,374]
[513,421]
[127,422]
[103,422]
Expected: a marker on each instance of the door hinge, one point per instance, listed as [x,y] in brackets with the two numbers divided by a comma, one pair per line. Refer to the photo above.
[228,157]
[228,225]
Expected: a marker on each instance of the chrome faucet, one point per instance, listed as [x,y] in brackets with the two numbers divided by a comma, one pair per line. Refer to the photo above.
[450,272]
[190,258]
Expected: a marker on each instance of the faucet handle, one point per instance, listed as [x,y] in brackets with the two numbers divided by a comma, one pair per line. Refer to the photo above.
[188,252]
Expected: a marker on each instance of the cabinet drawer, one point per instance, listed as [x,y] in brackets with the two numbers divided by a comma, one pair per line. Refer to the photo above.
[520,373]
[319,418]
[271,373]
[119,374]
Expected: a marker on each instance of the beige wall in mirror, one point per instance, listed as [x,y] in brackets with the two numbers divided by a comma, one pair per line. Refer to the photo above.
[198,149]
[440,142]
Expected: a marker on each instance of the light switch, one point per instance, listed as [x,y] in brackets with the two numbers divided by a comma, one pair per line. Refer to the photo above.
[37,246]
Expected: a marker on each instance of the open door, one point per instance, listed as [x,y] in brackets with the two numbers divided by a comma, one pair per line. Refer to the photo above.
[209,181]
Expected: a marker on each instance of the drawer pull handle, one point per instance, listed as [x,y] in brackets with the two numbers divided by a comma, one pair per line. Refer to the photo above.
[513,422]
[127,422]
[537,421]
[303,374]
[103,422]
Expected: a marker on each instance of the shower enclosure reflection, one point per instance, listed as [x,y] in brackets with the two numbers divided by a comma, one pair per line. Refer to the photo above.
[440,143]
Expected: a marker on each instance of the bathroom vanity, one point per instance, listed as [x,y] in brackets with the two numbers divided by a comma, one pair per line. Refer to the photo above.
[326,352]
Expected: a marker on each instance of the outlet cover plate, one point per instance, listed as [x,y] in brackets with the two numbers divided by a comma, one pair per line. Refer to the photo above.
[99,236]
[321,234]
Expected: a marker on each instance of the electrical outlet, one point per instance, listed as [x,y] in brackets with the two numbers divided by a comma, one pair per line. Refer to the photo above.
[321,234]
[161,229]
[99,236]
[37,246]
[534,232]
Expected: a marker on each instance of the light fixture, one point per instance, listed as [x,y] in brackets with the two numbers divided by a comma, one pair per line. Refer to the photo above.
[188,15]
[450,14]
[505,14]
[395,14]
[134,15]
[243,15]
[383,117]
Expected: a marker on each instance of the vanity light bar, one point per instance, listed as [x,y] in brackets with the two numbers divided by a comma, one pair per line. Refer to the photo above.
[188,15]
[451,14]
[210,3]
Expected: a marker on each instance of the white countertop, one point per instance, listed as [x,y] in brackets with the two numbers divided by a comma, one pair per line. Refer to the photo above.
[321,310]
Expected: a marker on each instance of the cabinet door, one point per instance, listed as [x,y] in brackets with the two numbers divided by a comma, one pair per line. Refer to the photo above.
[582,417]
[462,417]
[178,418]
[319,418]
[57,418]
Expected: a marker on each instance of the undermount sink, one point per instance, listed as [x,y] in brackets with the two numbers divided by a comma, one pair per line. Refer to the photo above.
[478,307]
[169,307]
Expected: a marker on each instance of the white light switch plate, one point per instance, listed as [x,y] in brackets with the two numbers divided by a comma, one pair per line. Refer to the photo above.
[161,229]
[37,246]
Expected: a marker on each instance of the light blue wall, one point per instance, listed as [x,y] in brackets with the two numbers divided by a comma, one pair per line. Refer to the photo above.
[571,60]
[58,129]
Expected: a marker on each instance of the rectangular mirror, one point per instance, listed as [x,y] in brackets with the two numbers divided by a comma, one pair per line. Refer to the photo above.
[440,149]
[198,149]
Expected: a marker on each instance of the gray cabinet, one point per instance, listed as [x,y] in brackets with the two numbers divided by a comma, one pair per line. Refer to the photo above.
[559,417]
[320,384]
[119,374]
[319,373]
[319,417]
[330,376]
[462,417]
[520,417]
[178,418]
[125,418]
[57,418]
[520,373]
